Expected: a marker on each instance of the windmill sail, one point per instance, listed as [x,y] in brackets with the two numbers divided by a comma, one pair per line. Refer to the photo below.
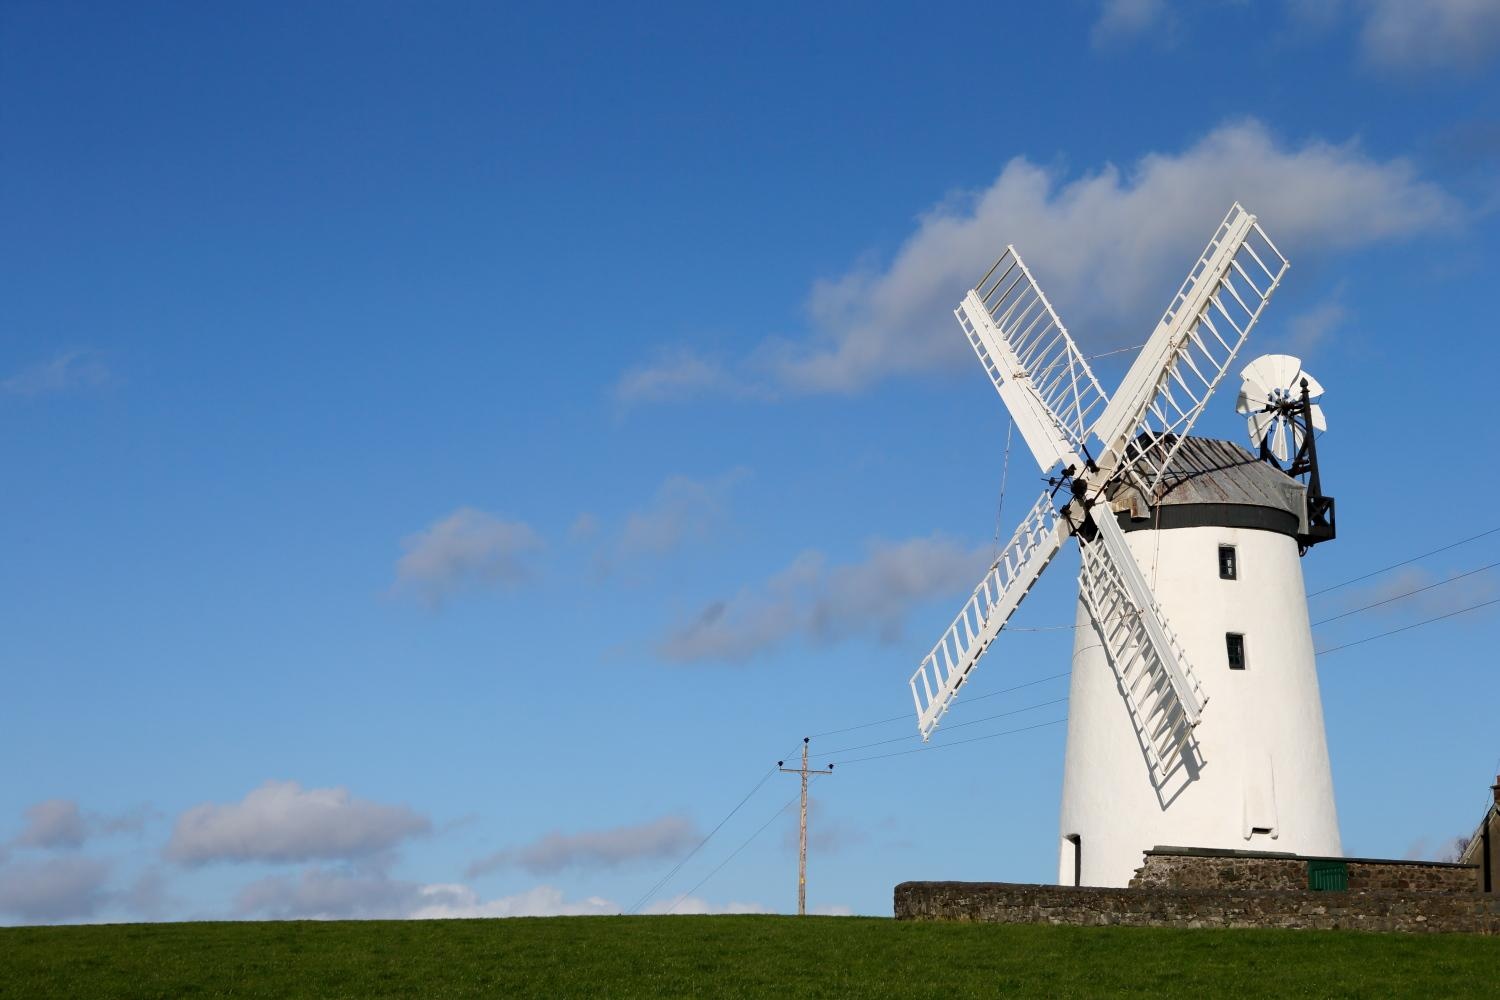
[1004,587]
[1193,346]
[1161,691]
[1027,353]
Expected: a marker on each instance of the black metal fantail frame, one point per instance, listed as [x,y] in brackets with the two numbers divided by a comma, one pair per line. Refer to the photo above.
[1321,523]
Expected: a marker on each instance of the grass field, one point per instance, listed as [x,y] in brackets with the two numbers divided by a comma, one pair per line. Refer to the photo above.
[750,956]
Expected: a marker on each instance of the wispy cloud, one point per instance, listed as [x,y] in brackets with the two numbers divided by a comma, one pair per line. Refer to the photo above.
[1122,21]
[666,837]
[825,833]
[1411,35]
[823,602]
[1404,36]
[584,527]
[1109,246]
[466,549]
[675,374]
[1311,329]
[1448,849]
[282,821]
[683,509]
[1413,591]
[73,369]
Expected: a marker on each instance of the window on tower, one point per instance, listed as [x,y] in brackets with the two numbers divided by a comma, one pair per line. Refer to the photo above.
[1229,568]
[1235,642]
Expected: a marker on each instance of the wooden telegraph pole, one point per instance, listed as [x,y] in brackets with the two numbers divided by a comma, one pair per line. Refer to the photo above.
[802,827]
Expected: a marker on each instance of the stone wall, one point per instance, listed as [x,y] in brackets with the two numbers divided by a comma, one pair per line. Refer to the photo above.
[1200,868]
[1003,902]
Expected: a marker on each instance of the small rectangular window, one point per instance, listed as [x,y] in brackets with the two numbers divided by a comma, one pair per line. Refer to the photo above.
[1228,568]
[1236,645]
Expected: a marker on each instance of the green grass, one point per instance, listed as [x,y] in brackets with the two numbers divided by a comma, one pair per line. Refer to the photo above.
[748,956]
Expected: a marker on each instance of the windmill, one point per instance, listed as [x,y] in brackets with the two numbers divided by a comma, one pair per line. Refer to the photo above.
[1190,587]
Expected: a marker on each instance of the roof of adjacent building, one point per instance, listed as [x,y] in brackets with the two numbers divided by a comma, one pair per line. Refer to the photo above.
[1491,815]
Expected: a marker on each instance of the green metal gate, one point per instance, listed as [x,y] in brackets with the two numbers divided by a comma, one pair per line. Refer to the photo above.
[1328,876]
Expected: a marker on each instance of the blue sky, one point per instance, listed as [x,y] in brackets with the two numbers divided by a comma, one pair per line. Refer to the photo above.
[451,453]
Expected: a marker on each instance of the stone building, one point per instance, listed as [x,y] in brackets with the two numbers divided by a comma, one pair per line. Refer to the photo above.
[1484,847]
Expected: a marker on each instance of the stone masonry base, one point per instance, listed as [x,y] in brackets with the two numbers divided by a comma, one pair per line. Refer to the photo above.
[1005,902]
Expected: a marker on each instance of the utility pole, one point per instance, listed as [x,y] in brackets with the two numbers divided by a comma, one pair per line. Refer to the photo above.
[802,827]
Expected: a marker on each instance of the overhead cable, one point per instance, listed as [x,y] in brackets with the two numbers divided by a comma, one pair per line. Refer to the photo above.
[762,829]
[1409,593]
[1404,628]
[1424,555]
[678,867]
[954,743]
[906,716]
[960,725]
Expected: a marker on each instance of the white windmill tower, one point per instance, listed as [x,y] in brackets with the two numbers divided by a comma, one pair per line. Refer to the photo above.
[1190,588]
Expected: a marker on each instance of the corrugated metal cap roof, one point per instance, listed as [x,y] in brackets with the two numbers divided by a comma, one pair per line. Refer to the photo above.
[1211,471]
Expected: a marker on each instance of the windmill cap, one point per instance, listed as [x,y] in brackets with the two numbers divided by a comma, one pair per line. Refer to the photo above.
[1225,483]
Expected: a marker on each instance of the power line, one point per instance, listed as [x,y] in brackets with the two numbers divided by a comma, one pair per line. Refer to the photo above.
[1409,593]
[1120,350]
[791,801]
[972,722]
[954,743]
[678,867]
[734,853]
[1404,628]
[804,772]
[1424,555]
[1051,628]
[1042,725]
[1336,586]
[1000,503]
[907,716]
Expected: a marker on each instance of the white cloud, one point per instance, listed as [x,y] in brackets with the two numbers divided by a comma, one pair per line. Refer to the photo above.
[281,821]
[832,910]
[451,901]
[322,894]
[824,603]
[74,369]
[666,837]
[683,905]
[1429,34]
[1110,247]
[468,548]
[53,890]
[585,526]
[1125,20]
